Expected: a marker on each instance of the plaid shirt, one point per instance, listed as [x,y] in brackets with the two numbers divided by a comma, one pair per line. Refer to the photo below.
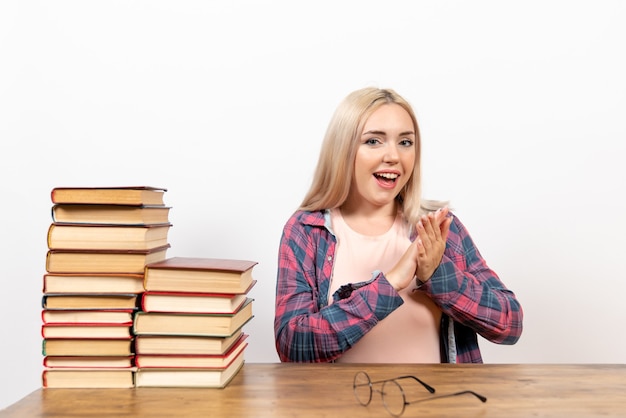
[307,329]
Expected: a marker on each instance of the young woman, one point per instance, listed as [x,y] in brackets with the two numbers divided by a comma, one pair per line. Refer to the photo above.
[369,273]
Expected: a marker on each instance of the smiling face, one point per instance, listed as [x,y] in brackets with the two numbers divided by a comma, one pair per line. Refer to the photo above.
[384,160]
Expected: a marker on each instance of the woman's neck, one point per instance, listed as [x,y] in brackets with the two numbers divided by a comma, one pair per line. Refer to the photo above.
[368,219]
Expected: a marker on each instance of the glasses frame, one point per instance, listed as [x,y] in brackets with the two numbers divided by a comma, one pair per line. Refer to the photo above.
[396,381]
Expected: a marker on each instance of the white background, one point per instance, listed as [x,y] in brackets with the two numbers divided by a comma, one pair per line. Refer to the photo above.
[522,108]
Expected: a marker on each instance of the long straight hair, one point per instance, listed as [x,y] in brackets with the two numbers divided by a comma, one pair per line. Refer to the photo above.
[335,167]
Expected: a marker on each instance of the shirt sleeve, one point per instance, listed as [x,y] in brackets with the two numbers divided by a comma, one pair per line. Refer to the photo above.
[306,331]
[466,289]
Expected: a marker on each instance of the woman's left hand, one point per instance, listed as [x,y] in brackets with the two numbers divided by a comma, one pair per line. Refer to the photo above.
[432,233]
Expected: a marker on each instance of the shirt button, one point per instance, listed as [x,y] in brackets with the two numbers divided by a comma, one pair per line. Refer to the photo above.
[330,258]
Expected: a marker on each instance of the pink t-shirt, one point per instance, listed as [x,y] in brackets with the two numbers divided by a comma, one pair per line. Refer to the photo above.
[410,334]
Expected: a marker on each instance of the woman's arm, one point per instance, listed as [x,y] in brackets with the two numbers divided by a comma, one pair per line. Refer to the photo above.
[466,289]
[304,330]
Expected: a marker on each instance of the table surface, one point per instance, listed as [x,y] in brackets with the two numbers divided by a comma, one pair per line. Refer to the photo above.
[325,390]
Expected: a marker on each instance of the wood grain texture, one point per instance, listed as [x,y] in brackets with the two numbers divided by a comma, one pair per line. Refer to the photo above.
[325,390]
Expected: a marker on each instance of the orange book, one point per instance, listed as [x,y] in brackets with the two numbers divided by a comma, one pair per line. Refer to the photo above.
[87,347]
[87,316]
[189,377]
[49,331]
[185,344]
[192,302]
[74,301]
[197,274]
[92,283]
[95,378]
[167,323]
[192,361]
[110,214]
[103,261]
[63,236]
[124,195]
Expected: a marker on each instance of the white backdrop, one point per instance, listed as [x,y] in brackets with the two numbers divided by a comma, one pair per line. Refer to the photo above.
[522,108]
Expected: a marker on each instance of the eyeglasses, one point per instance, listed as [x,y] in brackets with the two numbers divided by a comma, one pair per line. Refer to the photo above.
[393,396]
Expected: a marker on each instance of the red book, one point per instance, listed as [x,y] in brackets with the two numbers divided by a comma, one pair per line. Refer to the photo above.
[192,361]
[88,362]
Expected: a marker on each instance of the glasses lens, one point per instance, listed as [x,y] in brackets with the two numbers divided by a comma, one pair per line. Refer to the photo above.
[362,388]
[393,398]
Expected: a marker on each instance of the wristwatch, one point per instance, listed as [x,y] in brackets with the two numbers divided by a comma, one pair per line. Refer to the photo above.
[346,290]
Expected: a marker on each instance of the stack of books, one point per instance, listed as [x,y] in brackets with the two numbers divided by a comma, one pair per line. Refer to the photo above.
[99,243]
[189,327]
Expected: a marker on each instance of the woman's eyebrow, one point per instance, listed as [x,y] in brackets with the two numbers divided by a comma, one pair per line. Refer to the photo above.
[375,132]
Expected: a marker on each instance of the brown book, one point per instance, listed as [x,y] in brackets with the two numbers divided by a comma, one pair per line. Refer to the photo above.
[103,261]
[191,302]
[189,377]
[203,275]
[217,325]
[87,347]
[88,378]
[88,362]
[125,195]
[219,361]
[87,316]
[106,237]
[110,214]
[92,283]
[75,301]
[85,331]
[185,345]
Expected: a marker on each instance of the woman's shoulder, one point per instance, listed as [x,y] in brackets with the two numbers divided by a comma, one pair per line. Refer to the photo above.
[305,217]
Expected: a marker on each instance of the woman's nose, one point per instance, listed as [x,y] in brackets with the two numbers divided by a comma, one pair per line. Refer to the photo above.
[391,153]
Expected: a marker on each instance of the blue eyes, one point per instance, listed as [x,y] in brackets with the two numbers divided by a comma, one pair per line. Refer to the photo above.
[376,141]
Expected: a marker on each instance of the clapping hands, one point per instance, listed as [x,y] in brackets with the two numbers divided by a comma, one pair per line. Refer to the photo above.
[424,255]
[432,233]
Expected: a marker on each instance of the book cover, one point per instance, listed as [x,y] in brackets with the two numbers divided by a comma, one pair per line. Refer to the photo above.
[78,301]
[90,316]
[199,378]
[191,361]
[103,261]
[92,283]
[85,331]
[110,214]
[182,344]
[191,302]
[197,274]
[124,195]
[62,236]
[217,325]
[87,347]
[88,378]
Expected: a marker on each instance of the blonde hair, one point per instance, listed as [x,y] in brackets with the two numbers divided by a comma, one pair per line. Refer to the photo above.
[333,175]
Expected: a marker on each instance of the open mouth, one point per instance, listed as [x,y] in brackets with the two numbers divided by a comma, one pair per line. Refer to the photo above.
[387,179]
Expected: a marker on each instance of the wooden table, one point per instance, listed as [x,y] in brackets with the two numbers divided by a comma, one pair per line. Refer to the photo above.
[325,390]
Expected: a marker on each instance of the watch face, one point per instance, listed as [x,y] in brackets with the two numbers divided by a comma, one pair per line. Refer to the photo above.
[345,291]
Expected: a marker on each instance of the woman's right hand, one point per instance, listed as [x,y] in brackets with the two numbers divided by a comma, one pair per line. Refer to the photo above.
[424,254]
